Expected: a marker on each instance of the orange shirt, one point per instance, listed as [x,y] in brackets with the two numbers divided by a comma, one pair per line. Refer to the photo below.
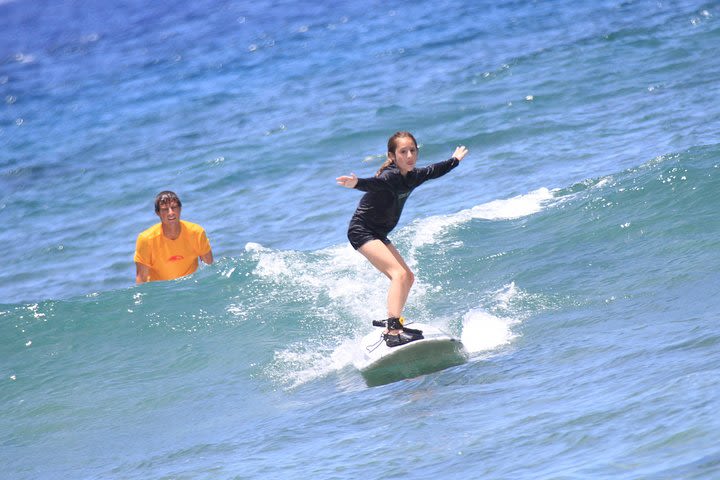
[170,259]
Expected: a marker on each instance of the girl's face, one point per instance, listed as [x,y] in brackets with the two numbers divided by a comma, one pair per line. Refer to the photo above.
[406,154]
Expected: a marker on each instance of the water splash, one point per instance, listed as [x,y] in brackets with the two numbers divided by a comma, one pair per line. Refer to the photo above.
[427,230]
[483,331]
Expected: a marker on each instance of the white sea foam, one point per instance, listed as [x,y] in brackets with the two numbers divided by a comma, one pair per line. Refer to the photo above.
[483,331]
[301,363]
[340,287]
[355,289]
[427,230]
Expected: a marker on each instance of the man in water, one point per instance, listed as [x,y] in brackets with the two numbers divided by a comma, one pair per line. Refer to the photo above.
[170,249]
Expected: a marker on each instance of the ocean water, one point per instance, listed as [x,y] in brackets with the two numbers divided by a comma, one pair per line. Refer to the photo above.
[574,251]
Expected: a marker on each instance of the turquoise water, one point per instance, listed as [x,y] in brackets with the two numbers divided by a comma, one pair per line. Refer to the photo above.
[574,251]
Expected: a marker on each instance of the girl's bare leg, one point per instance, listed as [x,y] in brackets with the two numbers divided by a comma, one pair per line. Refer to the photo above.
[387,259]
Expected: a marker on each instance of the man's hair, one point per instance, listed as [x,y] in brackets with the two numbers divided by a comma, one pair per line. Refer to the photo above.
[164,198]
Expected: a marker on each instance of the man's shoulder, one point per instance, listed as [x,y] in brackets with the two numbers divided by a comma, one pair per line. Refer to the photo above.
[192,227]
[152,232]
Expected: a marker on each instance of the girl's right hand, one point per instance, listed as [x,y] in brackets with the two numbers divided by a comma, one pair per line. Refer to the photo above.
[348,182]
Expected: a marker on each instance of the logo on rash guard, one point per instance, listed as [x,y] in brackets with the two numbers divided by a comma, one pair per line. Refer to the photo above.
[175,258]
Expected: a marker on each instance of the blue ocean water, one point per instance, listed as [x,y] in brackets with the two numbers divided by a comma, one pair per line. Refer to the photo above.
[574,251]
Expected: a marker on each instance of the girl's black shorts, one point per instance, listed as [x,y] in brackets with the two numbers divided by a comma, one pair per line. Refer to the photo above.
[359,235]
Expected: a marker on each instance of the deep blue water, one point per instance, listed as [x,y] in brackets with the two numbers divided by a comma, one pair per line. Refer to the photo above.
[574,251]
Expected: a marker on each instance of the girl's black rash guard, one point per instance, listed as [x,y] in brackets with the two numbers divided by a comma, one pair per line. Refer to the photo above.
[380,208]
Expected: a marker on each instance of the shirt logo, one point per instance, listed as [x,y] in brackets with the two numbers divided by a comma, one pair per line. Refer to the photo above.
[175,258]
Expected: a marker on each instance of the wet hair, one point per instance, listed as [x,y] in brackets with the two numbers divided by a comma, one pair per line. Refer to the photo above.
[392,146]
[164,198]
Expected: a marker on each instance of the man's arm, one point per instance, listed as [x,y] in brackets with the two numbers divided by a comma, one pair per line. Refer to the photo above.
[142,273]
[207,258]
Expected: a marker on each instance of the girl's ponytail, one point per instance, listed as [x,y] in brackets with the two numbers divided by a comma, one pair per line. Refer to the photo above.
[385,165]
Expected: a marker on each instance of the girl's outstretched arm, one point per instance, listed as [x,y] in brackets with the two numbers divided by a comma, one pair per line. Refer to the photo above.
[348,182]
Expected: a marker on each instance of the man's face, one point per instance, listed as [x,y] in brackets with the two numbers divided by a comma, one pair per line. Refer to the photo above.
[169,213]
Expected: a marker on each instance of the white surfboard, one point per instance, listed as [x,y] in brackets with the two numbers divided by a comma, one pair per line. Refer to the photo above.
[382,364]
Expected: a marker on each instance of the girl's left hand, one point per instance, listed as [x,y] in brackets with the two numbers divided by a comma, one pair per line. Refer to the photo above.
[460,152]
